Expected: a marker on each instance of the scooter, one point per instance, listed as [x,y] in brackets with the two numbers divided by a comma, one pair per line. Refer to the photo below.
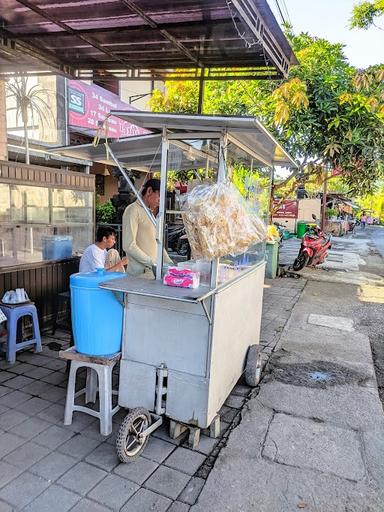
[313,249]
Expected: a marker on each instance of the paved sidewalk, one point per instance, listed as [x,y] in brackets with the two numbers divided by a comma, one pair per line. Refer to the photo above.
[313,438]
[45,466]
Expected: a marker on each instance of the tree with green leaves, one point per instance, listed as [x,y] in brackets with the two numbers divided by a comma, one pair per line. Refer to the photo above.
[31,103]
[327,114]
[365,14]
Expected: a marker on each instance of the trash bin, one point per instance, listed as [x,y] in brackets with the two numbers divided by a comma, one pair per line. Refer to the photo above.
[97,314]
[272,259]
[56,247]
[301,228]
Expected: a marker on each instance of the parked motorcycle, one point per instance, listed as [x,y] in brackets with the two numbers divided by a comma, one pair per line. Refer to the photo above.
[178,241]
[313,249]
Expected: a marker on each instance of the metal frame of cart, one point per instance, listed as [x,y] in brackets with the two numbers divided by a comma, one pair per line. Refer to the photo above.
[184,350]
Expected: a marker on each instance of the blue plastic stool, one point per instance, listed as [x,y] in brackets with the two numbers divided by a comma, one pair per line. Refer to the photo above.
[13,314]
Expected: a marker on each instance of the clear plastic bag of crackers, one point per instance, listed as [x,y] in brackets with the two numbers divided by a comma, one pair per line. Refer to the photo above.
[219,222]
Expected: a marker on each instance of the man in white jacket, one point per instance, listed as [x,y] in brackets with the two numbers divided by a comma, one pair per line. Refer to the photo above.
[139,233]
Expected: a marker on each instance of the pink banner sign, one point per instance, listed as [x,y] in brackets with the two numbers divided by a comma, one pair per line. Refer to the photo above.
[89,105]
[287,209]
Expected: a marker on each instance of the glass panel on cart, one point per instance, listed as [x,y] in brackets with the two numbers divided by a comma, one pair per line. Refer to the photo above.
[191,162]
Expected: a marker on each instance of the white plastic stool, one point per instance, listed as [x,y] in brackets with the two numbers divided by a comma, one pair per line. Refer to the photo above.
[99,379]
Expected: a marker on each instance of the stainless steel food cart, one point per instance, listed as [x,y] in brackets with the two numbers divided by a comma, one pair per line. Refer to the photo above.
[184,350]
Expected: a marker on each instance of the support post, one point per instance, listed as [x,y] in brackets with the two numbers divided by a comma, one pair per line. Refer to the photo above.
[221,175]
[3,123]
[162,206]
[324,203]
[200,105]
[132,187]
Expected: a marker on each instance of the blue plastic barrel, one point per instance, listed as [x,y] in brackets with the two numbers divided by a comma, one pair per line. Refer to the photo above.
[97,315]
[56,247]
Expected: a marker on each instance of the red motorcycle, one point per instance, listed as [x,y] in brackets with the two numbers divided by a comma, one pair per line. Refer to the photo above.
[314,247]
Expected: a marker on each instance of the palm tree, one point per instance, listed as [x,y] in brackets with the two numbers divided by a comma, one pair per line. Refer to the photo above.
[31,102]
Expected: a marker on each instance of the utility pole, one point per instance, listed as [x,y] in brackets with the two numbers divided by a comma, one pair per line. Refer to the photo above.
[324,203]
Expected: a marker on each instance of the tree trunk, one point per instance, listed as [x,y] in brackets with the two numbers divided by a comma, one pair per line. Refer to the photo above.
[24,117]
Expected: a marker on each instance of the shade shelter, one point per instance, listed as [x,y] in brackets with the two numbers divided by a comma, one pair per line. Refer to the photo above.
[143,39]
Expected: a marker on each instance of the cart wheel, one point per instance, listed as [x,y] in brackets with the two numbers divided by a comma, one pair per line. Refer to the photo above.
[129,444]
[253,366]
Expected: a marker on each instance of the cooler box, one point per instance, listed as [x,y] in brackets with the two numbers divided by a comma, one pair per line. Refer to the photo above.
[56,247]
[97,315]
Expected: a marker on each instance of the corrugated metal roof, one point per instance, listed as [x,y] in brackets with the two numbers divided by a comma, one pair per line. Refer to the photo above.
[143,38]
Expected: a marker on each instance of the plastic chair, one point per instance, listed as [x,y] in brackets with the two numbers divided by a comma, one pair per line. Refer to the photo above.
[13,313]
[99,380]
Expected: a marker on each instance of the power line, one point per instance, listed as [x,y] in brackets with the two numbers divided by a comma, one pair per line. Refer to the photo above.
[280,11]
[286,11]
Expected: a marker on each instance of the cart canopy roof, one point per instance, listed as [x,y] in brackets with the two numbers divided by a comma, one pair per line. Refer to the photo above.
[144,152]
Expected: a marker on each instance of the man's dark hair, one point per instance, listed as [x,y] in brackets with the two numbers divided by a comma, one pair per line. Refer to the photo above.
[153,183]
[104,231]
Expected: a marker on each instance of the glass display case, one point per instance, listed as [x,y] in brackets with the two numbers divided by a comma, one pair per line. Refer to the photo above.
[29,214]
[196,162]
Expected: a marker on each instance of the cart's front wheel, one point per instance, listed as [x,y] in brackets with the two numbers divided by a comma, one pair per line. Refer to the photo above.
[130,442]
[254,366]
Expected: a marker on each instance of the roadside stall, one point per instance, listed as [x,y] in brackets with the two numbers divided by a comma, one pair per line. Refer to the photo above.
[183,349]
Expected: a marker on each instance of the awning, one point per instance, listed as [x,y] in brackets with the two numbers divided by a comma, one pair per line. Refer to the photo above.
[143,39]
[144,152]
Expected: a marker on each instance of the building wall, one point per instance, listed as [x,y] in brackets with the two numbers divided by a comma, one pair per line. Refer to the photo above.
[307,207]
[3,123]
[130,91]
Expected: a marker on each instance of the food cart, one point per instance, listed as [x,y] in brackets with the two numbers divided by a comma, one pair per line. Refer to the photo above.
[183,350]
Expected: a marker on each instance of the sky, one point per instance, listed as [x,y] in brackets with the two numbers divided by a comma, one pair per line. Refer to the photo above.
[329,19]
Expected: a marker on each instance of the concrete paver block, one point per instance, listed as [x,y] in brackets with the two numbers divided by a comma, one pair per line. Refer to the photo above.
[113,491]
[177,506]
[4,507]
[53,466]
[26,455]
[334,322]
[187,461]
[38,387]
[137,472]
[31,427]
[157,449]
[305,443]
[82,478]
[23,490]
[4,391]
[11,418]
[234,401]
[14,398]
[8,473]
[86,505]
[38,372]
[33,406]
[19,382]
[79,446]
[53,498]
[207,444]
[9,442]
[167,481]
[54,436]
[192,491]
[54,413]
[105,457]
[145,500]
[80,421]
